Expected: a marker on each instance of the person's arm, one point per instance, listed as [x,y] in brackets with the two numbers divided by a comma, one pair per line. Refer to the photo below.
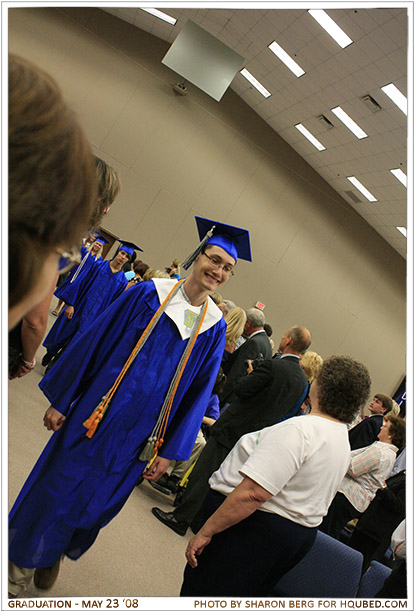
[256,381]
[32,333]
[364,462]
[247,497]
[208,421]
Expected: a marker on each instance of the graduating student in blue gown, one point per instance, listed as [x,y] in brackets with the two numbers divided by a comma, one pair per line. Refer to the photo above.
[79,483]
[87,297]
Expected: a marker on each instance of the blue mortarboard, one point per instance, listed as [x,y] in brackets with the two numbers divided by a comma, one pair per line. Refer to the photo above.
[129,247]
[100,238]
[234,240]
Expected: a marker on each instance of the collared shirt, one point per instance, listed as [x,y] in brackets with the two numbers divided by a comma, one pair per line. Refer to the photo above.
[369,467]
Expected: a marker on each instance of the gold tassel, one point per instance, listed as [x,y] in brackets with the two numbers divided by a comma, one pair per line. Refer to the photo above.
[92,421]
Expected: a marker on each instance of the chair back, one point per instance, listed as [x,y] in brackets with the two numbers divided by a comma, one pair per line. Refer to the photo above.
[373,579]
[329,569]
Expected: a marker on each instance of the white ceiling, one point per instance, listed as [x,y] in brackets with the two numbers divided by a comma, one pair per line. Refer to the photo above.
[333,77]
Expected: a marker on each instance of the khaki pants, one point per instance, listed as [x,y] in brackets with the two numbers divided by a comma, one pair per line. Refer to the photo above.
[180,467]
[19,578]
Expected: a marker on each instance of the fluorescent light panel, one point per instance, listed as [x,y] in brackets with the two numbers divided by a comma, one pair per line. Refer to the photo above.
[160,15]
[286,59]
[362,189]
[331,27]
[396,96]
[401,176]
[310,137]
[255,83]
[402,230]
[348,122]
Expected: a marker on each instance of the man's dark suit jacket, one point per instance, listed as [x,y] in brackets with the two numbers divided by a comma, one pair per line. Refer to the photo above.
[365,432]
[263,398]
[256,347]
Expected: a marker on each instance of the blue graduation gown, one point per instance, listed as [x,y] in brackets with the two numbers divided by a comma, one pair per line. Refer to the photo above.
[79,484]
[89,295]
[62,291]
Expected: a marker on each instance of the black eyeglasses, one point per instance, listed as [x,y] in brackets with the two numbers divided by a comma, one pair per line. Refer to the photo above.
[216,263]
[68,259]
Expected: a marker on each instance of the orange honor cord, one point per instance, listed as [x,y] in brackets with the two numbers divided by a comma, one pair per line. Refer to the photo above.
[94,419]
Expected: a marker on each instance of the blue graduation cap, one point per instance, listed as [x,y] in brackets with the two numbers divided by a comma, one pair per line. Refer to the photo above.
[129,247]
[100,238]
[233,240]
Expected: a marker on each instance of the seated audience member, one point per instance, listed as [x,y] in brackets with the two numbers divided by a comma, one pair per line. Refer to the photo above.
[216,297]
[366,432]
[369,467]
[139,269]
[272,490]
[375,526]
[51,186]
[226,305]
[175,269]
[151,273]
[235,323]
[395,585]
[263,398]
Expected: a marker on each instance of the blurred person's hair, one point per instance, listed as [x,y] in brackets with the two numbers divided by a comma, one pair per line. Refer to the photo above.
[52,187]
[140,268]
[268,329]
[301,338]
[228,305]
[109,186]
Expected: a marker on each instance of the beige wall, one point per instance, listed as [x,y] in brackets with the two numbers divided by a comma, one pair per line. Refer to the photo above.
[316,262]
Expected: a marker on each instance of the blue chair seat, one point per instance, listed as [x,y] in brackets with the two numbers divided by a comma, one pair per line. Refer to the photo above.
[329,569]
[373,579]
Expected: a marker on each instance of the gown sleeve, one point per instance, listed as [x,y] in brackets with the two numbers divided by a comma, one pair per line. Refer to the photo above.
[87,355]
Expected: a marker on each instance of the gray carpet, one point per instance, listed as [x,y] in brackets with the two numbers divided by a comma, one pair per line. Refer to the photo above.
[135,555]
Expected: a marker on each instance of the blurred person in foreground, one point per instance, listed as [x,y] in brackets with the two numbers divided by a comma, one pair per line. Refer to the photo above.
[25,338]
[273,489]
[52,190]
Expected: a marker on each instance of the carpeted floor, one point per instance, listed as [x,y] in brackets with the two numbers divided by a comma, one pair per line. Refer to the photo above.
[135,555]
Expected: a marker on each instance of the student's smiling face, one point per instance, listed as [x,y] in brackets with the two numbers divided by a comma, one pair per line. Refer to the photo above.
[209,270]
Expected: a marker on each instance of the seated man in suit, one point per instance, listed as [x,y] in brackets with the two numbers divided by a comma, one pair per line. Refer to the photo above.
[273,389]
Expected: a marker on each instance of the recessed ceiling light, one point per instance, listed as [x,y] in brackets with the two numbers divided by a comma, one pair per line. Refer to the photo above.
[362,189]
[160,15]
[255,83]
[401,176]
[402,230]
[396,96]
[310,137]
[348,122]
[286,59]
[331,27]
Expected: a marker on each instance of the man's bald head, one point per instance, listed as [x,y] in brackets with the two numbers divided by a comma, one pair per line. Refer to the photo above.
[296,340]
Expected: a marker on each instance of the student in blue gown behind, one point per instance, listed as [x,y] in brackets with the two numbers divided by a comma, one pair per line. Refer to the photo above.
[79,482]
[86,298]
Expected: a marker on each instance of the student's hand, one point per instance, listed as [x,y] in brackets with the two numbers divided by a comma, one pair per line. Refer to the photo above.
[69,312]
[53,419]
[156,469]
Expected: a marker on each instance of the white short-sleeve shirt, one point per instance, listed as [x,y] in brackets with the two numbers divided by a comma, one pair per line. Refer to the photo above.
[300,461]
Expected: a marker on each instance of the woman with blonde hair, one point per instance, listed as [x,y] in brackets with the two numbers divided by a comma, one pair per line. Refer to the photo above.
[311,363]
[235,322]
